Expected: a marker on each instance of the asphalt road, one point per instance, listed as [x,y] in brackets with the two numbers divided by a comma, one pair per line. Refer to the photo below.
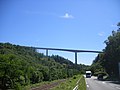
[94,84]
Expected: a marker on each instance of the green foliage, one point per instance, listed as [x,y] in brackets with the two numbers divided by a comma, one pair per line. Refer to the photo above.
[108,61]
[97,65]
[112,54]
[82,84]
[70,83]
[21,66]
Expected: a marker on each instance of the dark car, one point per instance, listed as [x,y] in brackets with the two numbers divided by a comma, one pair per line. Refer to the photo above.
[100,77]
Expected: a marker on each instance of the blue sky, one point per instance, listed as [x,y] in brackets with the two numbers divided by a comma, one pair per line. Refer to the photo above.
[72,24]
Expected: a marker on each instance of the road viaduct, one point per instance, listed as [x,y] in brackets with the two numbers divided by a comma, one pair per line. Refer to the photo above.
[68,50]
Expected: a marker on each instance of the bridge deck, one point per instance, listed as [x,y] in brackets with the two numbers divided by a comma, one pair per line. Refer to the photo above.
[69,50]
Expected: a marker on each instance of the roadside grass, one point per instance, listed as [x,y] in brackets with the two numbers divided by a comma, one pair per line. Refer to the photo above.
[29,87]
[70,83]
[82,84]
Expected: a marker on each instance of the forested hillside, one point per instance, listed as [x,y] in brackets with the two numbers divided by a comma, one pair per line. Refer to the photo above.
[107,62]
[21,66]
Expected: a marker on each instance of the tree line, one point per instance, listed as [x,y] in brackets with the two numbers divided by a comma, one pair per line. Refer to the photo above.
[21,66]
[107,62]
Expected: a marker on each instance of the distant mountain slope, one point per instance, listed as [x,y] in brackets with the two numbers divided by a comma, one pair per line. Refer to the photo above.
[20,66]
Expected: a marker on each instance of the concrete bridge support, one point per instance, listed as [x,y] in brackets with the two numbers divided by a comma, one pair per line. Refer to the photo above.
[75,58]
[46,52]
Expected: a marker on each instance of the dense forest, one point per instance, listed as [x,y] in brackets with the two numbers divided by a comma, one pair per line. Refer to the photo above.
[107,62]
[21,66]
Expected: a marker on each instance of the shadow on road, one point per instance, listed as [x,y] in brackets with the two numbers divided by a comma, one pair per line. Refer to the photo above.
[107,80]
[115,82]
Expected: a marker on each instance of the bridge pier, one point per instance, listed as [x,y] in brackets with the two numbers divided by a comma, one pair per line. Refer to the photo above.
[46,52]
[75,58]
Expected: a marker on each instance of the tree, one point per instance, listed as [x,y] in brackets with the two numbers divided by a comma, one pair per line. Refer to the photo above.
[20,66]
[111,57]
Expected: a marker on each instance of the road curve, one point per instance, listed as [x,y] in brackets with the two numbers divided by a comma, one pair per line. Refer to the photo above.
[94,84]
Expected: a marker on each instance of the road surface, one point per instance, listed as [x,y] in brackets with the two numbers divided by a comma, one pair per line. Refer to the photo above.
[94,84]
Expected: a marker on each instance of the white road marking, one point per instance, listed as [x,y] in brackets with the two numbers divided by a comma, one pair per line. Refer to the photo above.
[103,82]
[88,86]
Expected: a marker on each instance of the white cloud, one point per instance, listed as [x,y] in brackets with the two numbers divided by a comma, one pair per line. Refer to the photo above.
[101,34]
[67,16]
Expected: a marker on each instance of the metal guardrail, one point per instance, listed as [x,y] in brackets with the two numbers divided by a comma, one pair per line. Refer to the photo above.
[76,87]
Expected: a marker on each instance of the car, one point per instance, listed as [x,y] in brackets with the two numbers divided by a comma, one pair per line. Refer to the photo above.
[100,77]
